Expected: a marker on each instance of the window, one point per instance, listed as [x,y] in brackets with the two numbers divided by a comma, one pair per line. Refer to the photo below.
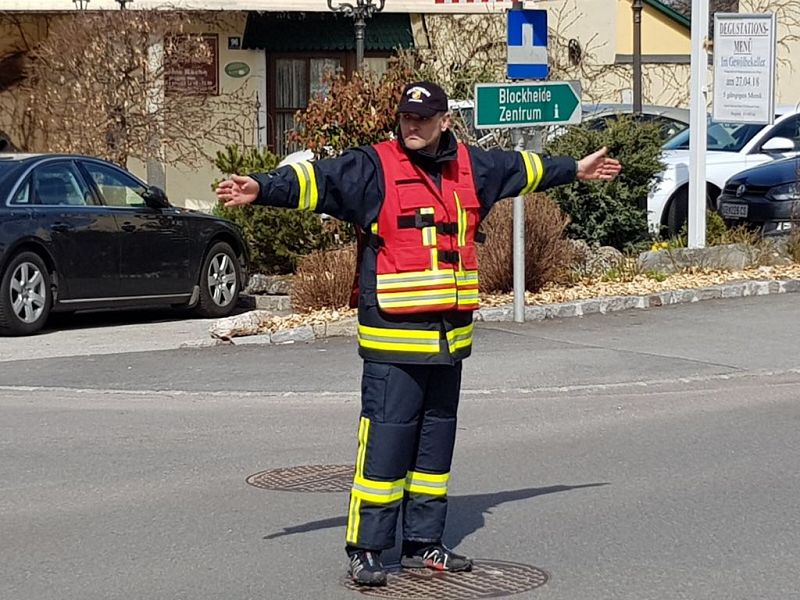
[789,129]
[57,184]
[115,187]
[23,195]
[294,79]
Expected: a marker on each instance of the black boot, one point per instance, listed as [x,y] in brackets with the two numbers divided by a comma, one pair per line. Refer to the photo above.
[366,567]
[433,556]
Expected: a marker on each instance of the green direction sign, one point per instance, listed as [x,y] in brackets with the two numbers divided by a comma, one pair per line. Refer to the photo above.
[527,104]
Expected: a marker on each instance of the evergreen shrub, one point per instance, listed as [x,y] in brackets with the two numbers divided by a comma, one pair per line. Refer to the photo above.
[612,213]
[276,237]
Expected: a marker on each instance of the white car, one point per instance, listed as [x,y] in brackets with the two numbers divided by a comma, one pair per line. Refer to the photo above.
[732,147]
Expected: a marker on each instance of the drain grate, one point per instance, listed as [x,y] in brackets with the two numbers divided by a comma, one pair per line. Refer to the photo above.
[305,478]
[488,579]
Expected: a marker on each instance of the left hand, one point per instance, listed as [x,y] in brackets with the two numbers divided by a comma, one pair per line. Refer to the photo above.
[598,167]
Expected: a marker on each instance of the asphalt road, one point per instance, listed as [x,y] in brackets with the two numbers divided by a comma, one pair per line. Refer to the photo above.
[637,455]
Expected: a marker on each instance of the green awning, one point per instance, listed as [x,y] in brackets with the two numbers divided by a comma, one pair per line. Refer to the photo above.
[308,32]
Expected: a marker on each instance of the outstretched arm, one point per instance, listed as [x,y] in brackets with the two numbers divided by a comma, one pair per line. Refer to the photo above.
[349,187]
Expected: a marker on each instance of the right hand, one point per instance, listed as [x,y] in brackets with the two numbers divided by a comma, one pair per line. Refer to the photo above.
[238,191]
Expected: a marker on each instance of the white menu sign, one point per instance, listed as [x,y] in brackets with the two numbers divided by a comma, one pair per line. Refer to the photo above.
[744,68]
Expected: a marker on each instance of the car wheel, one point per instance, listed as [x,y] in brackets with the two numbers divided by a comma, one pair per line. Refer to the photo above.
[678,213]
[220,282]
[25,295]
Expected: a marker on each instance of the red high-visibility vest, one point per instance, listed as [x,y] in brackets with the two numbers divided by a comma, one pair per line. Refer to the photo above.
[427,259]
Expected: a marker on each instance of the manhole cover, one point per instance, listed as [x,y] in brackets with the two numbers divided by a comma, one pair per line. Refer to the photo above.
[488,579]
[305,478]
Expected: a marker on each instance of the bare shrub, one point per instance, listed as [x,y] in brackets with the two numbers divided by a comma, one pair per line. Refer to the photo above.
[548,254]
[793,245]
[324,279]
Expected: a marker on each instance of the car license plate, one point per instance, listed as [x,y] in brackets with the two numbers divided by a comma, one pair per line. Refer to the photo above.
[737,211]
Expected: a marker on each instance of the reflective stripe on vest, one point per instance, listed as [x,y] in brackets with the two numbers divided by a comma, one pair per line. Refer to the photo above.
[410,277]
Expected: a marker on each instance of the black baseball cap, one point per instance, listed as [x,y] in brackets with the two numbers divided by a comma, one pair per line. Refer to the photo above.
[423,98]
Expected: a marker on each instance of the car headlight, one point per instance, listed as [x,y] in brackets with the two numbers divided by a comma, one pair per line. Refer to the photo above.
[783,193]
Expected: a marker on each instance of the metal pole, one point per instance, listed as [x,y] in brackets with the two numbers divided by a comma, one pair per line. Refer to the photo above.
[360,26]
[518,234]
[519,246]
[637,57]
[698,126]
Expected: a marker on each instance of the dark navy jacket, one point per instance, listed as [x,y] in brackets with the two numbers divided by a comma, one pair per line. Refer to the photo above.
[351,188]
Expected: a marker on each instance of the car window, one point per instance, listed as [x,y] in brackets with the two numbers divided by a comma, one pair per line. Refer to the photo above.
[115,187]
[789,129]
[23,195]
[725,137]
[56,184]
[669,127]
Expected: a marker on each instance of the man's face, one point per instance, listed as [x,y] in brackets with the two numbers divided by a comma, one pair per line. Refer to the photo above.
[423,133]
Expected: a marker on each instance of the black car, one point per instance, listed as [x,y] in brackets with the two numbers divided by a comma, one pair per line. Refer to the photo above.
[766,197]
[79,233]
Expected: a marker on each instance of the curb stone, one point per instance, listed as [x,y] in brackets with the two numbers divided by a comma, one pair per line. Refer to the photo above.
[577,308]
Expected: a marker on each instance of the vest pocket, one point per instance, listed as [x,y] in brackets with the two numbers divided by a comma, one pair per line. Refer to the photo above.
[469,257]
[402,259]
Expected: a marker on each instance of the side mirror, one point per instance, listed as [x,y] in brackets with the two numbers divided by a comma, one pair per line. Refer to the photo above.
[778,145]
[155,197]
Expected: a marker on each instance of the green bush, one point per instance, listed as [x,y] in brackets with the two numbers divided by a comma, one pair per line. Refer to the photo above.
[718,234]
[276,237]
[612,213]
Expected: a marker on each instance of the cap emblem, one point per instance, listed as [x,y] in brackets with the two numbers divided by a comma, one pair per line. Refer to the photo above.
[415,94]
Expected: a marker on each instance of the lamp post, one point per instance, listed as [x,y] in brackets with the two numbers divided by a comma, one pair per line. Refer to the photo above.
[637,57]
[360,11]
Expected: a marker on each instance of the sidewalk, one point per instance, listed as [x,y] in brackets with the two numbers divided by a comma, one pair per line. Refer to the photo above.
[106,333]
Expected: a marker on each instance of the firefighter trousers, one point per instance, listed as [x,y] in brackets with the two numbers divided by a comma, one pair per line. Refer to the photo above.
[406,436]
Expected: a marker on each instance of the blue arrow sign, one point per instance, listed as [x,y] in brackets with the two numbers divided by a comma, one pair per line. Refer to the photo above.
[527,44]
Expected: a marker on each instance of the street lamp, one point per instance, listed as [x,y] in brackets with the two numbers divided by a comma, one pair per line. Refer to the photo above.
[637,57]
[361,11]
[81,4]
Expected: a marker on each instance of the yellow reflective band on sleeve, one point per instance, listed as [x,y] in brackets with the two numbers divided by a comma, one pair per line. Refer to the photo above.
[398,340]
[427,483]
[424,279]
[308,185]
[378,492]
[534,170]
[460,337]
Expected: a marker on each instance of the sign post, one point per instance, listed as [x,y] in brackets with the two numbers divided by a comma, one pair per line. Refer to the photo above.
[698,126]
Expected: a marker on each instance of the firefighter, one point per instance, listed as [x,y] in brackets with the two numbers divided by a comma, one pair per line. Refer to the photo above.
[419,200]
